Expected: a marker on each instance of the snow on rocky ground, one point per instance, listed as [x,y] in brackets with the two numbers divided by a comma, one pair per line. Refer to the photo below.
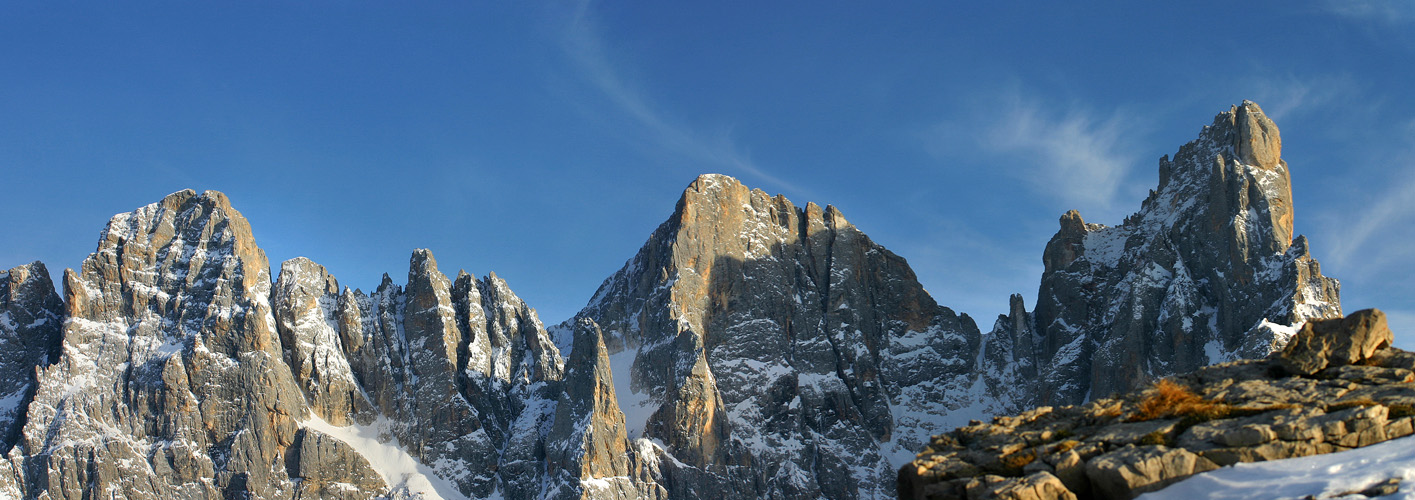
[1320,476]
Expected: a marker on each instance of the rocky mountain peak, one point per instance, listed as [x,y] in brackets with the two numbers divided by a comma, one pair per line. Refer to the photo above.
[1207,270]
[1255,137]
[591,455]
[179,294]
[31,324]
[1067,244]
[758,332]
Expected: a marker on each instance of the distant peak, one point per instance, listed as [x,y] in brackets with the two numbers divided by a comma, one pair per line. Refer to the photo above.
[710,180]
[1072,223]
[1253,136]
[180,198]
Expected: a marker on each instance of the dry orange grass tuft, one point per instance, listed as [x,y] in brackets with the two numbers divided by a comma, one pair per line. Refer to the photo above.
[1169,399]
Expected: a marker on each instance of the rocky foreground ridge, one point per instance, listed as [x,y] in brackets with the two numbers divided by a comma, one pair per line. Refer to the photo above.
[752,348]
[1337,386]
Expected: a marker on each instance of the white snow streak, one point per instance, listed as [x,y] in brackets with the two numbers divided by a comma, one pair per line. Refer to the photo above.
[637,406]
[400,471]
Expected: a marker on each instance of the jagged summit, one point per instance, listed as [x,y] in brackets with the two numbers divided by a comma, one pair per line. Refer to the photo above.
[1207,270]
[183,371]
[762,333]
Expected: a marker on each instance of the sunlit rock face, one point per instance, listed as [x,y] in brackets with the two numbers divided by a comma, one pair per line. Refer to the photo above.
[778,352]
[171,380]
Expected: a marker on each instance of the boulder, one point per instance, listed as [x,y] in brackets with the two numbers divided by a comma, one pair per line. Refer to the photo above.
[1336,342]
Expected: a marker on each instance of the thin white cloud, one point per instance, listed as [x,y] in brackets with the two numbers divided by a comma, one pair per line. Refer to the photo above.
[584,44]
[1001,267]
[1383,11]
[1378,236]
[1077,156]
[1284,96]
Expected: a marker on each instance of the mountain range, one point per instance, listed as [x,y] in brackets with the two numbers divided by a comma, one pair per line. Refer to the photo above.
[752,348]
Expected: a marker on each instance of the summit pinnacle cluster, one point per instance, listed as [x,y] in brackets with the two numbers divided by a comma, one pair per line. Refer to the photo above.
[752,348]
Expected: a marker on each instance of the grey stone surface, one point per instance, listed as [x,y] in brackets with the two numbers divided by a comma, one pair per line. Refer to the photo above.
[330,468]
[1037,486]
[1128,472]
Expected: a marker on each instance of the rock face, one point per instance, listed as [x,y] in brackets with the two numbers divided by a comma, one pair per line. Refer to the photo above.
[777,352]
[1207,271]
[752,348]
[31,321]
[171,381]
[330,468]
[1242,411]
[182,371]
[588,440]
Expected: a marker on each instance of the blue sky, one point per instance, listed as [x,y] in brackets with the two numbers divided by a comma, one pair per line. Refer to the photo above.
[545,140]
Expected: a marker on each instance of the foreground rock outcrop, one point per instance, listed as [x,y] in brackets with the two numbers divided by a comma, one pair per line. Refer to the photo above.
[1242,411]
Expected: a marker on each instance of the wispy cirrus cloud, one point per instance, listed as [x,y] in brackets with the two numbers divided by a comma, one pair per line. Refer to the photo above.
[1077,155]
[1378,235]
[1284,96]
[584,44]
[1383,11]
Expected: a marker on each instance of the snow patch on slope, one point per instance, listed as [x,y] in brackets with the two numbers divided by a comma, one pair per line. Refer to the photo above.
[637,406]
[403,473]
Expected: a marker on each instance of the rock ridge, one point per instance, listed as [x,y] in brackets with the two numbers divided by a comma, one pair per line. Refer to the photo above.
[752,348]
[1241,411]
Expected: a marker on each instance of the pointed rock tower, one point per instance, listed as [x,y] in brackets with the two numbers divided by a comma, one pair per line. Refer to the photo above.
[1207,271]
